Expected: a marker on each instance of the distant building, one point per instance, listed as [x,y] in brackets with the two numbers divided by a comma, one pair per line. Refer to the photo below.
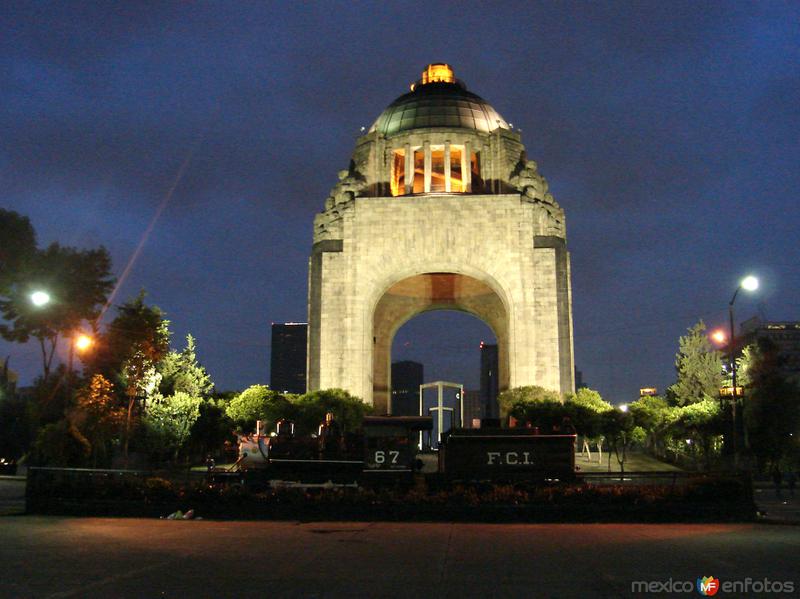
[489,380]
[288,359]
[474,409]
[407,376]
[579,384]
[648,392]
[784,334]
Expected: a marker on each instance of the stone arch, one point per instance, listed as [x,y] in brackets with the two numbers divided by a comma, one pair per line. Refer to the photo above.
[412,294]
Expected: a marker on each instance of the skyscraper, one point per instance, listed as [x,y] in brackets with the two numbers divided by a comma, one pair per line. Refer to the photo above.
[407,376]
[489,380]
[288,359]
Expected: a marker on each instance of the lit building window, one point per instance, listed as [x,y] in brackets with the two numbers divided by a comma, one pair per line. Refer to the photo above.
[419,171]
[399,173]
[438,72]
[456,178]
[437,168]
[445,171]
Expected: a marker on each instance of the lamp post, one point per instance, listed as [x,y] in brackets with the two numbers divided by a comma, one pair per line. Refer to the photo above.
[749,283]
[82,342]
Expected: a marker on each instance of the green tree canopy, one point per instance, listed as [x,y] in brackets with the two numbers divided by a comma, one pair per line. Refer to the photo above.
[537,405]
[258,402]
[137,328]
[310,409]
[180,372]
[168,422]
[98,414]
[585,409]
[78,283]
[699,368]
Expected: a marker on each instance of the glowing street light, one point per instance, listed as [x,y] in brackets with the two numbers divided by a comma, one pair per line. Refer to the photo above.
[749,283]
[624,407]
[83,342]
[719,337]
[40,298]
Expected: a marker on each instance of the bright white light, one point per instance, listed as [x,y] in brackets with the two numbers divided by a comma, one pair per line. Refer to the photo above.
[749,283]
[40,298]
[624,407]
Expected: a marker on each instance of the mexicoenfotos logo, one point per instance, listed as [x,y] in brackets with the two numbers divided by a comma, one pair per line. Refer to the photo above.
[707,586]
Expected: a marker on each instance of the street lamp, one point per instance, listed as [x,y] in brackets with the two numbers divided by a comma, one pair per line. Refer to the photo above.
[82,342]
[40,298]
[749,283]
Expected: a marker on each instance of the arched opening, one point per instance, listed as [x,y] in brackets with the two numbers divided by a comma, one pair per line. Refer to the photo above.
[443,345]
[428,292]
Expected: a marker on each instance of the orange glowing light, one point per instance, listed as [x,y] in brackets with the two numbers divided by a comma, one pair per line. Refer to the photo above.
[83,342]
[438,72]
[719,336]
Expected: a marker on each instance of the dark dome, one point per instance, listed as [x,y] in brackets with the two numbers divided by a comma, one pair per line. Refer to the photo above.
[438,104]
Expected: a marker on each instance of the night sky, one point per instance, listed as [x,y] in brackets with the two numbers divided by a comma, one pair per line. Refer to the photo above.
[668,131]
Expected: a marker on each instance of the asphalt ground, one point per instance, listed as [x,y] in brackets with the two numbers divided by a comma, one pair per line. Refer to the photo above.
[48,557]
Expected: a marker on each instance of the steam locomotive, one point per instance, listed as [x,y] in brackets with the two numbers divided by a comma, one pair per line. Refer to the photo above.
[390,448]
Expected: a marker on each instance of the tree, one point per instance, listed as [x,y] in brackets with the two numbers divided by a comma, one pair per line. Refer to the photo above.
[97,414]
[586,409]
[212,428]
[537,405]
[137,327]
[61,444]
[258,402]
[133,343]
[168,422]
[141,380]
[78,283]
[310,409]
[699,368]
[621,431]
[701,425]
[651,413]
[180,371]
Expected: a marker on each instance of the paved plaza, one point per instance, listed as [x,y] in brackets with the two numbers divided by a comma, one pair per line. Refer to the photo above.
[100,557]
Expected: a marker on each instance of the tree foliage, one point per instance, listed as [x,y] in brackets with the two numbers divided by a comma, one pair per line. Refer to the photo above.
[97,414]
[310,409]
[258,402]
[699,368]
[78,283]
[61,444]
[168,422]
[700,423]
[137,328]
[585,409]
[180,372]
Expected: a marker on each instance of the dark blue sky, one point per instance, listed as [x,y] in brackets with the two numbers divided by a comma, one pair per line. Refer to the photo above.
[669,132]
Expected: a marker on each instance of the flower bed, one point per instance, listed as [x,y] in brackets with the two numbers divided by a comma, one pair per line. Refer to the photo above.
[715,498]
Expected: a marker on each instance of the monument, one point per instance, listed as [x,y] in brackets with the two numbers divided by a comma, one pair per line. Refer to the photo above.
[439,209]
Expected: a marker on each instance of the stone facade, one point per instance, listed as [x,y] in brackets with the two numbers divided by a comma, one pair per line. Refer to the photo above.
[497,250]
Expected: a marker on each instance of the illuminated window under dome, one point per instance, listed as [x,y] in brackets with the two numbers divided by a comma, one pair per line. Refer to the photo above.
[438,72]
[447,170]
